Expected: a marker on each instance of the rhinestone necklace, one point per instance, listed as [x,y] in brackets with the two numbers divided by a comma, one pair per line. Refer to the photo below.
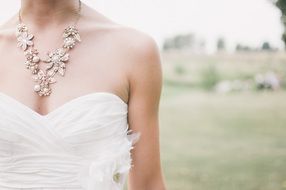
[55,60]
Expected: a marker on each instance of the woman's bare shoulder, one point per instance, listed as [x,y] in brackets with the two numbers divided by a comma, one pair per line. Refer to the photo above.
[141,56]
[7,28]
[126,37]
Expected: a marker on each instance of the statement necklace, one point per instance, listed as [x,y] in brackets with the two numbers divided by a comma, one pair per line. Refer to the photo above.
[55,60]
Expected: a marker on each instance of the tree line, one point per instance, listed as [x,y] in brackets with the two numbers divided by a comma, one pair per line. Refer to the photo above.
[189,40]
[281,5]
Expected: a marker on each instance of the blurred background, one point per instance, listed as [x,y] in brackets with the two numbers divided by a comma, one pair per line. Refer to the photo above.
[223,108]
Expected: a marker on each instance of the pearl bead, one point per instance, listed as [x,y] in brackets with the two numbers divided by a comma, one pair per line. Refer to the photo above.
[37,88]
[36,59]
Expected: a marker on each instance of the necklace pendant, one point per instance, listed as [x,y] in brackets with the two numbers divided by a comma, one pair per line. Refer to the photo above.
[71,36]
[56,60]
[42,90]
[32,60]
[24,38]
[43,83]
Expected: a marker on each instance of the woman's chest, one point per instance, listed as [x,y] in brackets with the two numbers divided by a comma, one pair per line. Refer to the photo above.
[85,72]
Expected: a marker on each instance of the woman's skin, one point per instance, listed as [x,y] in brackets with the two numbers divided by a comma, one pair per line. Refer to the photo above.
[111,58]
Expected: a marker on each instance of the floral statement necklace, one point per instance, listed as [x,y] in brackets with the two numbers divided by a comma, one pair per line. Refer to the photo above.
[55,60]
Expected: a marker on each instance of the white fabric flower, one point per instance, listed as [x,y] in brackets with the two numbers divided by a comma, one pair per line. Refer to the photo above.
[110,171]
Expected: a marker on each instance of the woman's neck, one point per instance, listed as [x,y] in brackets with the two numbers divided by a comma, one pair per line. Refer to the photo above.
[48,12]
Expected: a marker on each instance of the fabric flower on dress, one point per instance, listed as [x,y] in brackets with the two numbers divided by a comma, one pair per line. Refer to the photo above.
[110,171]
[56,61]
[106,174]
[25,40]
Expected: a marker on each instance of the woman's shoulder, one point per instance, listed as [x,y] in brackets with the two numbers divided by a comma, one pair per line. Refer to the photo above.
[7,28]
[135,42]
[130,39]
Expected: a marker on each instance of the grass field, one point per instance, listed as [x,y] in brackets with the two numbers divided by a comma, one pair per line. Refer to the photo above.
[233,141]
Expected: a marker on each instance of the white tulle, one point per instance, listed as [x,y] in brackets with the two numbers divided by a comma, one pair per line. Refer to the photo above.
[84,144]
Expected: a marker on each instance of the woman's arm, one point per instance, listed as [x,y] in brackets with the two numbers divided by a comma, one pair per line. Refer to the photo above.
[145,91]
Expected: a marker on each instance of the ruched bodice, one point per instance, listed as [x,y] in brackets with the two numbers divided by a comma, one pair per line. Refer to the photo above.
[84,144]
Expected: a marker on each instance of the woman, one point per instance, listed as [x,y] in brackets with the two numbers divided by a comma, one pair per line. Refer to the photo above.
[77,92]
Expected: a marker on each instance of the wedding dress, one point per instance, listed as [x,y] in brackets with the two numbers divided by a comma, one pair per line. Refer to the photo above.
[84,144]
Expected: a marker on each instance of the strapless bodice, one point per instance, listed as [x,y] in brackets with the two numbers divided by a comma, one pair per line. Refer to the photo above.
[84,144]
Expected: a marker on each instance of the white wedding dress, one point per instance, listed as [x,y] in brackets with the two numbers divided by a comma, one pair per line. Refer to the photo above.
[82,145]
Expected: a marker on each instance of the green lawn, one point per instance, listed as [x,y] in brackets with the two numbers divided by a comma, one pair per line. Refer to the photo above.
[234,141]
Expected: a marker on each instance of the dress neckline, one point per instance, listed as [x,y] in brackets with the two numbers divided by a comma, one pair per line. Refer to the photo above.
[64,105]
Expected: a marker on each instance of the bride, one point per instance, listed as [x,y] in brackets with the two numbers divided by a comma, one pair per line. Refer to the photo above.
[79,101]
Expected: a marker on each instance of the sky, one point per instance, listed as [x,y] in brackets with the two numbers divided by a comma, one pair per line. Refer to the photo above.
[249,22]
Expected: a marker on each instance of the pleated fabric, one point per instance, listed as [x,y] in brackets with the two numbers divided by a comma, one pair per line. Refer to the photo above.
[84,144]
